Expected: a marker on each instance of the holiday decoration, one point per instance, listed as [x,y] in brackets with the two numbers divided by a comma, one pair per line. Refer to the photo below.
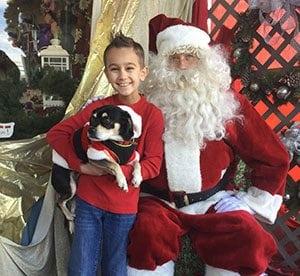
[292,80]
[237,52]
[254,87]
[282,83]
[283,92]
[291,140]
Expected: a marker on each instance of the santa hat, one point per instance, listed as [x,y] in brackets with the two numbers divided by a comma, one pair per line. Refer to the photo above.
[169,34]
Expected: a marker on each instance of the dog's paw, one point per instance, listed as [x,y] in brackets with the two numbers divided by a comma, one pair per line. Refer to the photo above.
[122,183]
[137,180]
[71,226]
[137,174]
[70,216]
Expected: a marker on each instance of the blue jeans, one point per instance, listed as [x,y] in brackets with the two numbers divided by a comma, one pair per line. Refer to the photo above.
[100,240]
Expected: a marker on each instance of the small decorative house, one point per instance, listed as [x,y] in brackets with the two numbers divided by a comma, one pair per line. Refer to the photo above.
[55,56]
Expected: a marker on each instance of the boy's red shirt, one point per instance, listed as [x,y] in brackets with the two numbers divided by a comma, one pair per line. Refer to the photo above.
[103,191]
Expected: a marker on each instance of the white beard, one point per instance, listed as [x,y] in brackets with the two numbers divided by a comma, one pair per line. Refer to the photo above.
[194,107]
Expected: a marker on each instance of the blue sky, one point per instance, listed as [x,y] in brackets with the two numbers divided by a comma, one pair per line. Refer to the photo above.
[5,45]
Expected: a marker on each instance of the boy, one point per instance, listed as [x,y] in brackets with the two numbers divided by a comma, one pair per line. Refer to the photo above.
[104,212]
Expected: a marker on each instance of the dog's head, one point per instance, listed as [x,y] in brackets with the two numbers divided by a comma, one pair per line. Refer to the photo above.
[110,122]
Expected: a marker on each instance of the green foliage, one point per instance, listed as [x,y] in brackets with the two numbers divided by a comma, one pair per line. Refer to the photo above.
[35,74]
[188,263]
[8,69]
[242,176]
[242,41]
[27,125]
[293,190]
[57,83]
[10,93]
[30,125]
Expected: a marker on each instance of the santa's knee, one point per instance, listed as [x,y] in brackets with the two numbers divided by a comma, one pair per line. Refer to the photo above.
[256,238]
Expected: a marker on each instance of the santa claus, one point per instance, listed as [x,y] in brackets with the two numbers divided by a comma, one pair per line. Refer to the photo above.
[207,126]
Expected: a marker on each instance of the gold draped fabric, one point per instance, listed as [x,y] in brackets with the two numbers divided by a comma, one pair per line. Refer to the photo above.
[25,165]
[24,173]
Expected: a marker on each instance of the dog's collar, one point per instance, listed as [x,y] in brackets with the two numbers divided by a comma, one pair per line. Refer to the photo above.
[122,150]
[124,143]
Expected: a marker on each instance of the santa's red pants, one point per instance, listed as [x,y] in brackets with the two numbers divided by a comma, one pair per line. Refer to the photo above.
[233,240]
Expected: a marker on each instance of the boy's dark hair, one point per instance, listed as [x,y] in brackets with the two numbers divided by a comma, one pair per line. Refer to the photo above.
[122,41]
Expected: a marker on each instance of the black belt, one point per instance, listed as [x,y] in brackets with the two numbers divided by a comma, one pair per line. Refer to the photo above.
[181,198]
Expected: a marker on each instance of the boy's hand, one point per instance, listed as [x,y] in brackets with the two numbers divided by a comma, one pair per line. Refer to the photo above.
[91,170]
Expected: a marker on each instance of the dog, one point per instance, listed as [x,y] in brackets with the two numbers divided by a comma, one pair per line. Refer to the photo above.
[109,128]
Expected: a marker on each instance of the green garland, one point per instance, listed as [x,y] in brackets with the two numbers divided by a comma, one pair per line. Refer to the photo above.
[284,86]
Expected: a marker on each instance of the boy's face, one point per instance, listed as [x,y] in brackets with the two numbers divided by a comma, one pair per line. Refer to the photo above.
[124,72]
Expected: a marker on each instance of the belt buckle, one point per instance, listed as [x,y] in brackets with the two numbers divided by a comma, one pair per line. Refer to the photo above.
[180,199]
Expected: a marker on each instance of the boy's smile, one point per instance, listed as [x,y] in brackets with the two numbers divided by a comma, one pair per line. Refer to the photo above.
[124,72]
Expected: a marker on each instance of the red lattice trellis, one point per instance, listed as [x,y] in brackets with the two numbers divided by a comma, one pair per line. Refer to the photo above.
[281,51]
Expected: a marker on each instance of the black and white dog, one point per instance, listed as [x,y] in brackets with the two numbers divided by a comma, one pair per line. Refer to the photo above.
[111,131]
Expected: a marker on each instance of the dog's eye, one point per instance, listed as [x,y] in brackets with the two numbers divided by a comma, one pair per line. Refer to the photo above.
[107,123]
[104,115]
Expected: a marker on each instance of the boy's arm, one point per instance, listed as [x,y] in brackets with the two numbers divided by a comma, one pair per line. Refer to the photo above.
[152,156]
[60,137]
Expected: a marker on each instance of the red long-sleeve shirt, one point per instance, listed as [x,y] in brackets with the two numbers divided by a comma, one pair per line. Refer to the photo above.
[103,191]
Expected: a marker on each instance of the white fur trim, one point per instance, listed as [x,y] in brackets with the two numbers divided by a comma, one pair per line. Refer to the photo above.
[264,204]
[59,160]
[167,269]
[214,271]
[136,119]
[183,163]
[181,35]
[97,154]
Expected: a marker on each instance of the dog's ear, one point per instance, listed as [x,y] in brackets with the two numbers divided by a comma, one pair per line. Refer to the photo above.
[126,128]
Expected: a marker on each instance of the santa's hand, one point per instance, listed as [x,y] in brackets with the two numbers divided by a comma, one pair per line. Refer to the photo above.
[231,203]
